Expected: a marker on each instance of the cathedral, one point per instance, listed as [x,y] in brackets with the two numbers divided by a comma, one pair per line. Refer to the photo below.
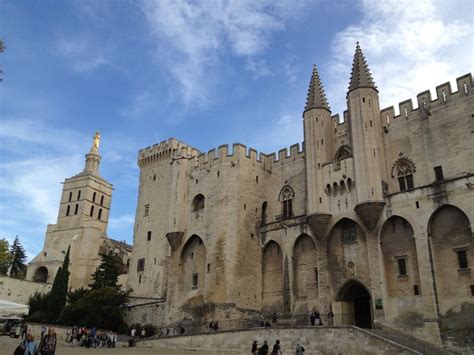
[371,219]
[81,227]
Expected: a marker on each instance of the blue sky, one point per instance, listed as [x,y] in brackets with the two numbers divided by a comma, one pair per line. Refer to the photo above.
[205,72]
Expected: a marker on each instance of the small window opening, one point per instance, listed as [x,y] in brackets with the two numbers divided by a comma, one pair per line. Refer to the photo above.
[99,215]
[363,99]
[139,279]
[349,232]
[70,196]
[68,209]
[92,211]
[208,268]
[102,200]
[466,92]
[154,177]
[148,235]
[245,206]
[370,123]
[197,181]
[322,141]
[472,290]
[256,179]
[402,266]
[141,264]
[195,281]
[462,259]
[264,212]
[417,204]
[218,173]
[76,209]
[79,195]
[320,200]
[439,173]
[444,96]
[146,210]
[94,196]
[192,256]
[416,290]
[198,203]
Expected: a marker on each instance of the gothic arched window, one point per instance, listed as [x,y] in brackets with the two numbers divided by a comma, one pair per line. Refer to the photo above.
[198,203]
[404,169]
[286,198]
[343,152]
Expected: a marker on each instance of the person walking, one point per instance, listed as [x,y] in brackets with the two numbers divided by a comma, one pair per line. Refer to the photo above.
[264,349]
[299,349]
[133,332]
[27,346]
[48,343]
[277,348]
[43,330]
[254,350]
[330,317]
[318,318]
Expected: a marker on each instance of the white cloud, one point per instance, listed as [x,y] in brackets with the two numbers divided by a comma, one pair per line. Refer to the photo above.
[193,36]
[81,52]
[410,47]
[124,221]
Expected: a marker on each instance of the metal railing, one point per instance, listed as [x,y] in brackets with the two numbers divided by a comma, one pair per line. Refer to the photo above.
[409,341]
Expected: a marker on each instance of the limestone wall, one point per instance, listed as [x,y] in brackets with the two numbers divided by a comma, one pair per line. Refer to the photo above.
[20,290]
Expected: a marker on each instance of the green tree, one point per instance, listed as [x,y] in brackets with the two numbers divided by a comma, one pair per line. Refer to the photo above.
[106,275]
[57,297]
[17,263]
[38,303]
[4,255]
[101,308]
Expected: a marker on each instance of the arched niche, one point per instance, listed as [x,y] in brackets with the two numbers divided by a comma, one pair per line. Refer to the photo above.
[452,247]
[354,306]
[41,274]
[305,284]
[272,277]
[347,252]
[193,265]
[401,271]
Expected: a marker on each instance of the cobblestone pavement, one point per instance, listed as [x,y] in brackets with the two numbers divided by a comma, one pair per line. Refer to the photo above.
[8,345]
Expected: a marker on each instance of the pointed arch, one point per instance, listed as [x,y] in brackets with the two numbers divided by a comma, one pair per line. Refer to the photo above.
[404,169]
[193,265]
[400,268]
[343,152]
[452,251]
[272,276]
[354,292]
[305,271]
[286,197]
[347,250]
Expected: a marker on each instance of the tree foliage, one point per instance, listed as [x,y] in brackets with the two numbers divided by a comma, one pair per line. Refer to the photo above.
[38,303]
[101,308]
[58,295]
[17,263]
[5,256]
[106,275]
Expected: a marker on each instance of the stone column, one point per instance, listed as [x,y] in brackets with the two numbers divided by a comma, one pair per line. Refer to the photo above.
[376,291]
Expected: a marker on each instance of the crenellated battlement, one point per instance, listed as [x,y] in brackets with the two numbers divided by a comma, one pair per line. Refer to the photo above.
[241,154]
[168,149]
[425,104]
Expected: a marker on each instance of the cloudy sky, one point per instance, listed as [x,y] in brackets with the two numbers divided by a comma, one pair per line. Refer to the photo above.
[205,72]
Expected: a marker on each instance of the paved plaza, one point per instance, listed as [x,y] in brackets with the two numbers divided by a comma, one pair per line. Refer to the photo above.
[8,345]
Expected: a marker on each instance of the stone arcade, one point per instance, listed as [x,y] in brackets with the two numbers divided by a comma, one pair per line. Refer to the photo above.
[371,218]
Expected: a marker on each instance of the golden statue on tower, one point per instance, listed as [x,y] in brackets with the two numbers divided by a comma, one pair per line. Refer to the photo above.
[95,143]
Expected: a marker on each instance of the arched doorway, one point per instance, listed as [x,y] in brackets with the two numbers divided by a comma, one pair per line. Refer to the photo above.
[41,274]
[356,304]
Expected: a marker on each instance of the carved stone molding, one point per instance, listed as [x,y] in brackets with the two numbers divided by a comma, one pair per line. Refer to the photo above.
[369,213]
[174,238]
[318,223]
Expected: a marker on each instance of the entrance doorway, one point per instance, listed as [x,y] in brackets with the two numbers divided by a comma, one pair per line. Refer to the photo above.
[357,299]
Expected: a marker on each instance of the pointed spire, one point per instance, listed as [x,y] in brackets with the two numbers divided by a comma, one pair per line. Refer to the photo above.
[316,95]
[360,76]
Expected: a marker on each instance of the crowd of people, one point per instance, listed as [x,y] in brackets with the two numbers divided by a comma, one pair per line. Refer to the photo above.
[91,338]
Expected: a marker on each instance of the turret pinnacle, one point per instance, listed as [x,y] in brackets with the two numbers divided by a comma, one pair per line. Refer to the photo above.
[360,76]
[93,158]
[316,95]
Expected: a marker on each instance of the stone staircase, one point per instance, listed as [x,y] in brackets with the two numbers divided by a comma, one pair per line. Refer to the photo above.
[316,340]
[409,341]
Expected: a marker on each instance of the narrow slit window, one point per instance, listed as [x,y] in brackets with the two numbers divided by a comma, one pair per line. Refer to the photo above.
[439,173]
[99,215]
[94,196]
[68,209]
[102,200]
[78,195]
[402,266]
[92,211]
[70,196]
[76,209]
[462,259]
[148,235]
